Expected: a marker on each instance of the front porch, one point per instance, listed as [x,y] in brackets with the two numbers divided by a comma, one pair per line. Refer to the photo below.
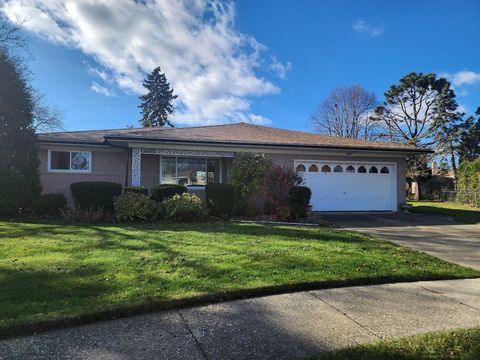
[191,168]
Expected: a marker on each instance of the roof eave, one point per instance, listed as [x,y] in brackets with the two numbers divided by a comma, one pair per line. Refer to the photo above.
[237,143]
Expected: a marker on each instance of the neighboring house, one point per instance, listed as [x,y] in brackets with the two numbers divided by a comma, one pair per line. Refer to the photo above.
[436,171]
[343,174]
[437,186]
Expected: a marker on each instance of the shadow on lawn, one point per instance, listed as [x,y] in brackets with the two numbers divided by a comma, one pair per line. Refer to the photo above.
[127,230]
[462,215]
[192,265]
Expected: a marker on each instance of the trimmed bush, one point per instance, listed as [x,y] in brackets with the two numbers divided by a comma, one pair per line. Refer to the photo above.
[165,191]
[134,206]
[299,200]
[220,199]
[95,194]
[184,207]
[136,190]
[49,204]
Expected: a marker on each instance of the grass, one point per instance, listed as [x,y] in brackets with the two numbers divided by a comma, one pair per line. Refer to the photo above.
[461,344]
[56,275]
[462,213]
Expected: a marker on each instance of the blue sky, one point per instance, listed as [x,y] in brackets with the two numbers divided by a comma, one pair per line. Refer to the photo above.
[267,62]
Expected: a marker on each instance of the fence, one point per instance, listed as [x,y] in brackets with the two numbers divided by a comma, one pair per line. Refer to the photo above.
[464,197]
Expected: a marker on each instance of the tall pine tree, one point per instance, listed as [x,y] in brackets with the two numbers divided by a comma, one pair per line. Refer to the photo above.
[19,177]
[446,125]
[407,112]
[157,103]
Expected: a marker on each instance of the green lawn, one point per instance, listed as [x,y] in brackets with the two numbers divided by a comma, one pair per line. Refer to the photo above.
[55,273]
[463,213]
[456,344]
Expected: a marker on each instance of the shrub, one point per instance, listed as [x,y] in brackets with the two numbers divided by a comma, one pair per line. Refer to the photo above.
[468,182]
[95,194]
[165,191]
[299,201]
[220,199]
[49,204]
[283,213]
[83,215]
[184,207]
[134,206]
[468,197]
[277,185]
[246,177]
[136,190]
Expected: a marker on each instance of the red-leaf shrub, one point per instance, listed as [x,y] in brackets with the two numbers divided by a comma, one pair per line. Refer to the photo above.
[278,182]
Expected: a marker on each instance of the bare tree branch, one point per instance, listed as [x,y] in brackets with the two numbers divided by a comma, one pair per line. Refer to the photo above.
[46,117]
[346,112]
[11,35]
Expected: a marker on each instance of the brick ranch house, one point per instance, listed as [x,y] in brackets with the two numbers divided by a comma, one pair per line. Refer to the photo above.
[343,174]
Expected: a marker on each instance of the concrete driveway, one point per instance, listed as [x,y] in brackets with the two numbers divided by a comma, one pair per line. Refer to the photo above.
[286,326]
[437,235]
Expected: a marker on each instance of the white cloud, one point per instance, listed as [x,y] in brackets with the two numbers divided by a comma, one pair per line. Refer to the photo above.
[98,72]
[96,87]
[279,68]
[361,26]
[462,78]
[212,66]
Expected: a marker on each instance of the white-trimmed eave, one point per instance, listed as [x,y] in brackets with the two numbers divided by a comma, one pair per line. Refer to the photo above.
[271,149]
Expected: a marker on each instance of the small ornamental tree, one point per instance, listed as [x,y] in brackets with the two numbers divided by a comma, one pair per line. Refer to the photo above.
[278,183]
[246,176]
[19,177]
[157,103]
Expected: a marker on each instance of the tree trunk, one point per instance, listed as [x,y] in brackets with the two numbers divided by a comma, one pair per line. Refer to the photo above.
[453,161]
[416,190]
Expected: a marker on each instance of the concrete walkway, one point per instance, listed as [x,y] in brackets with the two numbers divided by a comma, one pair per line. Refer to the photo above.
[273,327]
[437,235]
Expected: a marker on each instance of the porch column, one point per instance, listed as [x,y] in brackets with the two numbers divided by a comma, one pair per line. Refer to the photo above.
[136,166]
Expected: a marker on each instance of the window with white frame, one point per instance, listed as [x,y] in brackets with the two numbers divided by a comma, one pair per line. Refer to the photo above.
[74,161]
[189,171]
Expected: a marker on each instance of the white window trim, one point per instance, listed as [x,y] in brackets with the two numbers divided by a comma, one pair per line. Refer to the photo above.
[70,171]
[176,170]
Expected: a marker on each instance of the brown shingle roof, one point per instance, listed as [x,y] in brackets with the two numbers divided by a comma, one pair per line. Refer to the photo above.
[240,133]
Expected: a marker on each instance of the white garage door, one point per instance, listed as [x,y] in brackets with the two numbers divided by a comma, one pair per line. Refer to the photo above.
[350,186]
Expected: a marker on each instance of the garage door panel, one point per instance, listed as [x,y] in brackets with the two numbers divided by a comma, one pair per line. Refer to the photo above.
[344,191]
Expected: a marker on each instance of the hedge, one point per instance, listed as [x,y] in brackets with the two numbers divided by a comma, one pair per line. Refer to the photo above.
[220,199]
[95,194]
[165,191]
[468,182]
[49,204]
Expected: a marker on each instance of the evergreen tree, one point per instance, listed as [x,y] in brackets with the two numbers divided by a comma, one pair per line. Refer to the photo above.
[446,125]
[156,104]
[19,177]
[407,112]
[469,144]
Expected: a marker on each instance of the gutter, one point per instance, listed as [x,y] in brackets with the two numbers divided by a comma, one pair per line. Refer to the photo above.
[126,138]
[107,143]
